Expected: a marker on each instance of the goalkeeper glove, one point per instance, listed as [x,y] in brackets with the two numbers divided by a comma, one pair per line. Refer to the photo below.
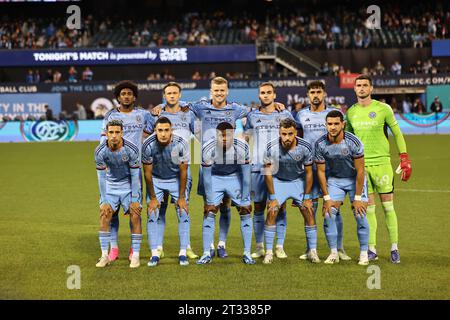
[405,167]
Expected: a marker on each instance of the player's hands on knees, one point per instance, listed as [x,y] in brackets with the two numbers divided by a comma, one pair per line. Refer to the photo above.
[327,205]
[135,208]
[359,207]
[209,208]
[273,206]
[182,205]
[156,111]
[246,209]
[307,204]
[153,205]
[105,208]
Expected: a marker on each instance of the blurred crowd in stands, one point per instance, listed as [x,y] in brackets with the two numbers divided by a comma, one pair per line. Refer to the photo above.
[303,27]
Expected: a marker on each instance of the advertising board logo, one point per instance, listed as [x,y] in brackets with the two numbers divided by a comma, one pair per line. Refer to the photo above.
[425,121]
[61,130]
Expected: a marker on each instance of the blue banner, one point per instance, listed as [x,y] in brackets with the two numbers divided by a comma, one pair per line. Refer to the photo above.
[208,54]
[89,130]
[32,104]
[440,48]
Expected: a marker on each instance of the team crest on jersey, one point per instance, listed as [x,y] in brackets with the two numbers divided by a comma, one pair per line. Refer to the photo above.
[344,152]
[125,158]
[183,118]
[228,113]
[277,119]
[138,118]
[372,115]
[298,158]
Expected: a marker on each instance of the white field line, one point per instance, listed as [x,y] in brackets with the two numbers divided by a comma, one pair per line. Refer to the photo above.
[423,190]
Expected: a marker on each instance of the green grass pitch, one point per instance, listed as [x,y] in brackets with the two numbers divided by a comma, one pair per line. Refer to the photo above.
[49,221]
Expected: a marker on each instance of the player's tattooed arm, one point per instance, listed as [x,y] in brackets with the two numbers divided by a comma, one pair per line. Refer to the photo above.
[182,202]
[358,206]
[148,173]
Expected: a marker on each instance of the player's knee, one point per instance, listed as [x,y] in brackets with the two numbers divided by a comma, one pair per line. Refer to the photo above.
[245,210]
[260,206]
[308,216]
[210,209]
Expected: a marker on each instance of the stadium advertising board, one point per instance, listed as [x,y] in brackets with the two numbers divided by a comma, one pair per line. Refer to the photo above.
[440,48]
[89,130]
[24,105]
[36,58]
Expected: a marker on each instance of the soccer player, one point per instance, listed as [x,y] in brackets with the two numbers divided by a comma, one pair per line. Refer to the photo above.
[226,172]
[311,126]
[368,119]
[288,175]
[262,126]
[211,113]
[118,169]
[182,120]
[137,125]
[165,157]
[342,153]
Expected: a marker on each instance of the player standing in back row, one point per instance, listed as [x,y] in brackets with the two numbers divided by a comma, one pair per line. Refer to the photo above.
[368,119]
[311,125]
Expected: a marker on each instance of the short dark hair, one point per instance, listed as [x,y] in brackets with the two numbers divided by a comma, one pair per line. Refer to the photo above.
[115,123]
[267,83]
[125,84]
[364,77]
[288,123]
[315,84]
[224,126]
[335,114]
[171,84]
[163,120]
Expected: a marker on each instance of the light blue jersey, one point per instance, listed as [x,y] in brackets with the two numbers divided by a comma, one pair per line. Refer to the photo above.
[135,123]
[289,165]
[211,116]
[312,123]
[338,158]
[228,161]
[182,122]
[165,159]
[226,172]
[264,127]
[118,174]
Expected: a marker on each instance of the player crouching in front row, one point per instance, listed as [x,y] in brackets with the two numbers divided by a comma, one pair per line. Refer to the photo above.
[343,155]
[288,175]
[118,167]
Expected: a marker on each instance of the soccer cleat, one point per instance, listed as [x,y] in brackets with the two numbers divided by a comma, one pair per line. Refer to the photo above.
[395,256]
[113,254]
[343,255]
[363,260]
[130,255]
[191,254]
[135,262]
[183,260]
[268,258]
[372,255]
[103,262]
[259,253]
[204,259]
[279,252]
[161,253]
[313,257]
[212,252]
[221,252]
[247,259]
[304,256]
[153,261]
[333,258]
